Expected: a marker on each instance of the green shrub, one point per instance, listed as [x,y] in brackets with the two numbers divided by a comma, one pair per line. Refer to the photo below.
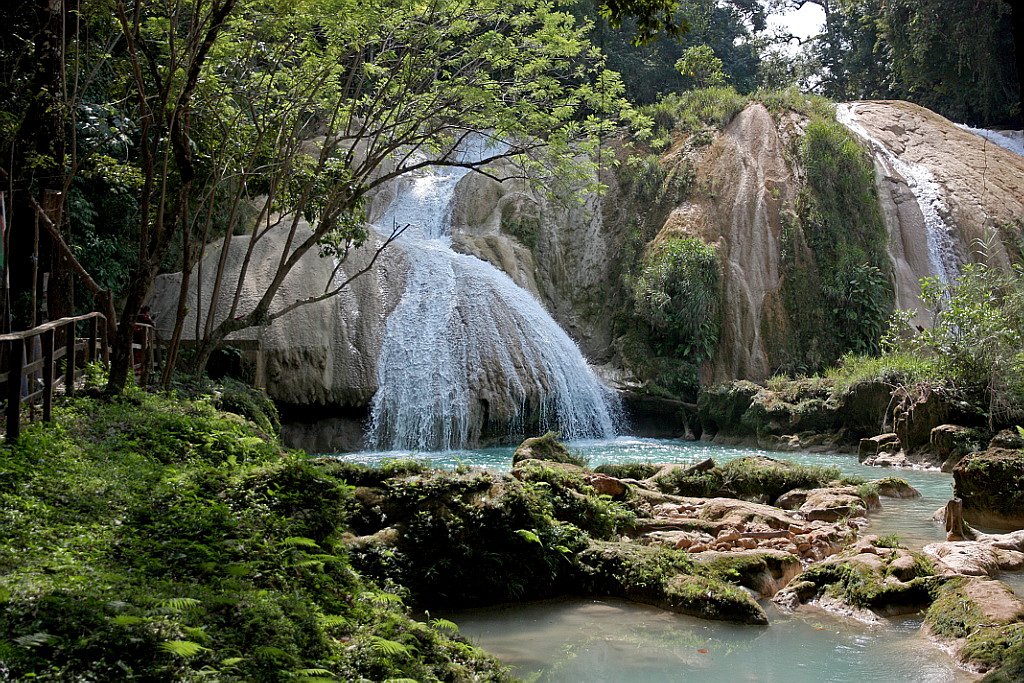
[695,110]
[836,288]
[677,292]
[153,538]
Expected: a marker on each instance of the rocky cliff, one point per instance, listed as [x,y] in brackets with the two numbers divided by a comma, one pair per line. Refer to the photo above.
[787,219]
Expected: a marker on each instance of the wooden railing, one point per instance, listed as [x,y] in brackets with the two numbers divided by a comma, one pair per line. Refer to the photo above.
[31,376]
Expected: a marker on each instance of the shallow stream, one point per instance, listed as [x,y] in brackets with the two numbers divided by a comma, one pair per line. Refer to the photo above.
[612,640]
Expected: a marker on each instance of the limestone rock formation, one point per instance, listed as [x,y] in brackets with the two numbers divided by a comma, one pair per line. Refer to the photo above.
[991,485]
[323,353]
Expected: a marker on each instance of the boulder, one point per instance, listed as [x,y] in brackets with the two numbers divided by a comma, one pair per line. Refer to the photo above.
[917,415]
[893,487]
[1007,438]
[665,578]
[873,446]
[720,408]
[951,442]
[546,447]
[991,485]
[980,620]
[886,581]
[606,485]
[833,504]
[764,571]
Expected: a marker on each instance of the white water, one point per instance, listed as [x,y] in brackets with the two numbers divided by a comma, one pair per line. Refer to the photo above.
[1005,141]
[927,191]
[466,349]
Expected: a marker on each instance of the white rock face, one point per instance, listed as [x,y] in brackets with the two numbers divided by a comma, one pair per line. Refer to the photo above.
[323,353]
[942,188]
[567,255]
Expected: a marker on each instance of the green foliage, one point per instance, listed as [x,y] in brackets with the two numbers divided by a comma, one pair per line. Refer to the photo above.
[792,99]
[700,63]
[727,27]
[836,290]
[677,293]
[756,476]
[753,477]
[154,538]
[628,470]
[889,541]
[696,110]
[463,539]
[976,342]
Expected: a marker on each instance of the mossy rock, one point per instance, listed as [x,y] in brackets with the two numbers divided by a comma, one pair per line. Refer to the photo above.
[767,478]
[546,447]
[982,618]
[991,485]
[897,582]
[720,408]
[770,414]
[666,578]
[750,478]
[764,571]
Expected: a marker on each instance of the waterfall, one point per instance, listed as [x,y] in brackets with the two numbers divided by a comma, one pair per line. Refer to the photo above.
[927,192]
[466,349]
[1005,141]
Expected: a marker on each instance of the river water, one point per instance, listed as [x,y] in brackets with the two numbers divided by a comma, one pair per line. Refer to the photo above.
[612,640]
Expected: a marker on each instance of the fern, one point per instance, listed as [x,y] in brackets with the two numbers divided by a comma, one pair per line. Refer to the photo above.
[381,598]
[127,620]
[300,542]
[444,625]
[272,652]
[34,639]
[182,648]
[388,648]
[176,605]
[334,621]
[232,661]
[401,680]
[313,675]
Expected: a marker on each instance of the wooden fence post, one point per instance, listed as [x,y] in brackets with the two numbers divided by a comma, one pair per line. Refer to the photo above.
[48,372]
[16,365]
[69,356]
[90,350]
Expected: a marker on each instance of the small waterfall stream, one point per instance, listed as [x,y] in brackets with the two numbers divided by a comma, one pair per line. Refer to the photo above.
[1008,143]
[927,192]
[467,351]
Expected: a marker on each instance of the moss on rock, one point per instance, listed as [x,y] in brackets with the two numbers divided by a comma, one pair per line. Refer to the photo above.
[666,578]
[991,484]
[546,447]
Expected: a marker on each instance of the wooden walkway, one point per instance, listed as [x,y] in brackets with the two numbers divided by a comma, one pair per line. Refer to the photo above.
[31,371]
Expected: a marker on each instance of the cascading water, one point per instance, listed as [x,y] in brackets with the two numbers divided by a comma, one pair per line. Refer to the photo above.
[466,349]
[1005,141]
[927,192]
